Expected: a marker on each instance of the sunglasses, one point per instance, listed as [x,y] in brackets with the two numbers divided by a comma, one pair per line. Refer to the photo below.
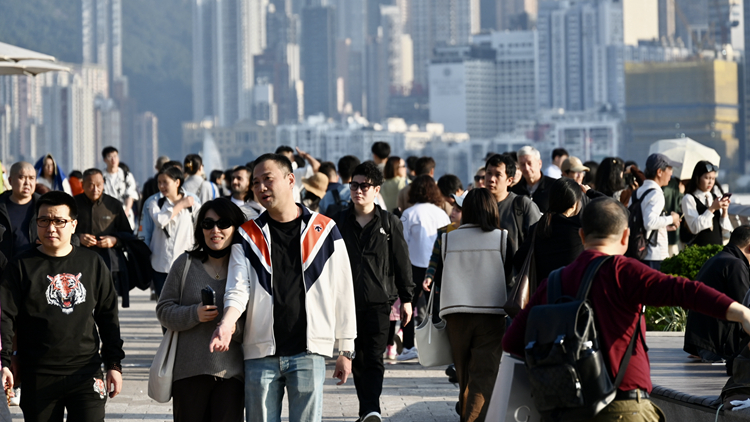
[210,223]
[364,186]
[478,178]
[710,167]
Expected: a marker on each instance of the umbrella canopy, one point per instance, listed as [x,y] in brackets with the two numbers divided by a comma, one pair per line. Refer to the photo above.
[687,152]
[30,67]
[11,53]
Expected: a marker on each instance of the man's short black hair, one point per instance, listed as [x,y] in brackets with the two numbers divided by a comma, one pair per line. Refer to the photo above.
[77,174]
[92,171]
[284,164]
[740,237]
[108,150]
[172,163]
[559,152]
[604,217]
[449,184]
[424,165]
[328,168]
[507,160]
[284,149]
[346,166]
[56,198]
[371,172]
[381,150]
[411,162]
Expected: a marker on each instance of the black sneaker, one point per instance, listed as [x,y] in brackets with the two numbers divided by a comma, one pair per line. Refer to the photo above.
[452,375]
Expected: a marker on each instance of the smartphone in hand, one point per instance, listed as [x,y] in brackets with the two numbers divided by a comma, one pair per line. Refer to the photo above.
[726,196]
[208,296]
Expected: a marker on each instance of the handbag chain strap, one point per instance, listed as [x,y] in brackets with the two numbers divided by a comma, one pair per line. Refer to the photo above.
[184,276]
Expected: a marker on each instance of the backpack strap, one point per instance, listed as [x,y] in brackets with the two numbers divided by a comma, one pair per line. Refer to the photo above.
[336,196]
[554,286]
[588,276]
[518,217]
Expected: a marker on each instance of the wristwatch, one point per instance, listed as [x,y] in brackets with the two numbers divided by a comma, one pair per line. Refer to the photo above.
[348,355]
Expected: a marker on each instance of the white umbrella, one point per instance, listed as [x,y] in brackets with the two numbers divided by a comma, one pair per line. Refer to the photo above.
[30,67]
[687,153]
[11,53]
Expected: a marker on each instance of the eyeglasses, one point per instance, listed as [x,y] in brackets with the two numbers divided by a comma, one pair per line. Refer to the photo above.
[364,186]
[57,222]
[710,167]
[210,223]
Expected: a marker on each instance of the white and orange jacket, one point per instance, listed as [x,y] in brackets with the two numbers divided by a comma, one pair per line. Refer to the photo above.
[328,282]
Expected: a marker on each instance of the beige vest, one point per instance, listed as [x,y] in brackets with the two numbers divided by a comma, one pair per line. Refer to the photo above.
[473,271]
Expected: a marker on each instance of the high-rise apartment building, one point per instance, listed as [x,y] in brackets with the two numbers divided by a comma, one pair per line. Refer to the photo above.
[581,54]
[318,60]
[434,23]
[227,34]
[102,37]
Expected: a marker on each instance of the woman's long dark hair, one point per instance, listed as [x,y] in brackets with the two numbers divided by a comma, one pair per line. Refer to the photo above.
[480,208]
[609,177]
[391,167]
[424,190]
[224,208]
[563,195]
[701,168]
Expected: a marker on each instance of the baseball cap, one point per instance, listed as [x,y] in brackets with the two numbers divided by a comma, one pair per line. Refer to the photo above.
[659,161]
[573,164]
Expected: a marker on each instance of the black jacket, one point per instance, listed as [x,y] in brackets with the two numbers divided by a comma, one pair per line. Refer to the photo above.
[541,194]
[729,273]
[381,269]
[550,253]
[6,244]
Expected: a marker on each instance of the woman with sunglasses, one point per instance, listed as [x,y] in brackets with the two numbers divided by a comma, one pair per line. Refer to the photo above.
[173,215]
[706,221]
[206,386]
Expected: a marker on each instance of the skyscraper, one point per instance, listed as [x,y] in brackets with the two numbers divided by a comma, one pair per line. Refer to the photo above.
[318,59]
[227,34]
[102,37]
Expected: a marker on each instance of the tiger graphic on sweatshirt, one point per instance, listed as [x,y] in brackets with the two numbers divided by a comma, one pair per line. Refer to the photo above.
[66,291]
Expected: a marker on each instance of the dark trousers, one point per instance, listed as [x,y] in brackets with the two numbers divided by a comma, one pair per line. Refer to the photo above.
[418,303]
[476,344]
[204,398]
[46,397]
[159,280]
[373,323]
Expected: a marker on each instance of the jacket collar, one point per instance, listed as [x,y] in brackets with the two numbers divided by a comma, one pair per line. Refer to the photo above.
[262,220]
[736,252]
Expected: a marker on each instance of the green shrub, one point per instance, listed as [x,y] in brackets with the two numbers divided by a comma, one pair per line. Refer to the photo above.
[685,264]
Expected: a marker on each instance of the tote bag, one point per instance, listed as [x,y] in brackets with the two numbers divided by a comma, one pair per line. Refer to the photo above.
[432,340]
[162,368]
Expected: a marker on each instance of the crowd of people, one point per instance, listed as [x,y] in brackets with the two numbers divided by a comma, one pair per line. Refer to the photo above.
[304,260]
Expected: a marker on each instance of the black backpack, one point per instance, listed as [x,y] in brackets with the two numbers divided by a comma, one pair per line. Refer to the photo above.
[638,243]
[338,205]
[567,370]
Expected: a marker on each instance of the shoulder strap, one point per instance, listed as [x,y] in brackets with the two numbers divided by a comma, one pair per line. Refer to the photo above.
[631,346]
[588,276]
[161,201]
[444,246]
[385,216]
[642,196]
[554,286]
[503,244]
[184,275]
[336,195]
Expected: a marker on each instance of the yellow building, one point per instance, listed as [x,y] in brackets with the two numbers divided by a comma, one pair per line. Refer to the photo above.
[696,99]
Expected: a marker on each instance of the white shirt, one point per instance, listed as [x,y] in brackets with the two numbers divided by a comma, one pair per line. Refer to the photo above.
[553,171]
[652,208]
[120,187]
[172,235]
[421,223]
[699,222]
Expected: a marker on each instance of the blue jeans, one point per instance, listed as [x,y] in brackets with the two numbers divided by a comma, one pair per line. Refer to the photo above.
[303,377]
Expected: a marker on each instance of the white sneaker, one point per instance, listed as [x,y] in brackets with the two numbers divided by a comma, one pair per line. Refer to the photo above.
[408,354]
[16,401]
[372,417]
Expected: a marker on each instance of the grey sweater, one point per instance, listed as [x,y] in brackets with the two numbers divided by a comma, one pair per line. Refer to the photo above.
[193,357]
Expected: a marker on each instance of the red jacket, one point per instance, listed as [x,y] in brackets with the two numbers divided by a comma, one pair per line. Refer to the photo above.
[621,287]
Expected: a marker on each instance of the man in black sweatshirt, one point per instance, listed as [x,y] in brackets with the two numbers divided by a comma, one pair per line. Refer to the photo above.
[59,299]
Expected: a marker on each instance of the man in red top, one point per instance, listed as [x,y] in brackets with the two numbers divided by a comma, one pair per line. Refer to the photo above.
[620,289]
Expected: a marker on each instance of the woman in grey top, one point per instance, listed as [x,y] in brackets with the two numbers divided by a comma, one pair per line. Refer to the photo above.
[207,386]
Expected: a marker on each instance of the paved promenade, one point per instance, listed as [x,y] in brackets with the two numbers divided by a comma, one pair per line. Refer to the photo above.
[411,393]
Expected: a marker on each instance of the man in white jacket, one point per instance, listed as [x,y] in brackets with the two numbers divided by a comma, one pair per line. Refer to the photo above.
[290,270]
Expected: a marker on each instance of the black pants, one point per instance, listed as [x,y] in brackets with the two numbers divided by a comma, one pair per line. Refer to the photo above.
[46,397]
[204,398]
[418,303]
[373,323]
